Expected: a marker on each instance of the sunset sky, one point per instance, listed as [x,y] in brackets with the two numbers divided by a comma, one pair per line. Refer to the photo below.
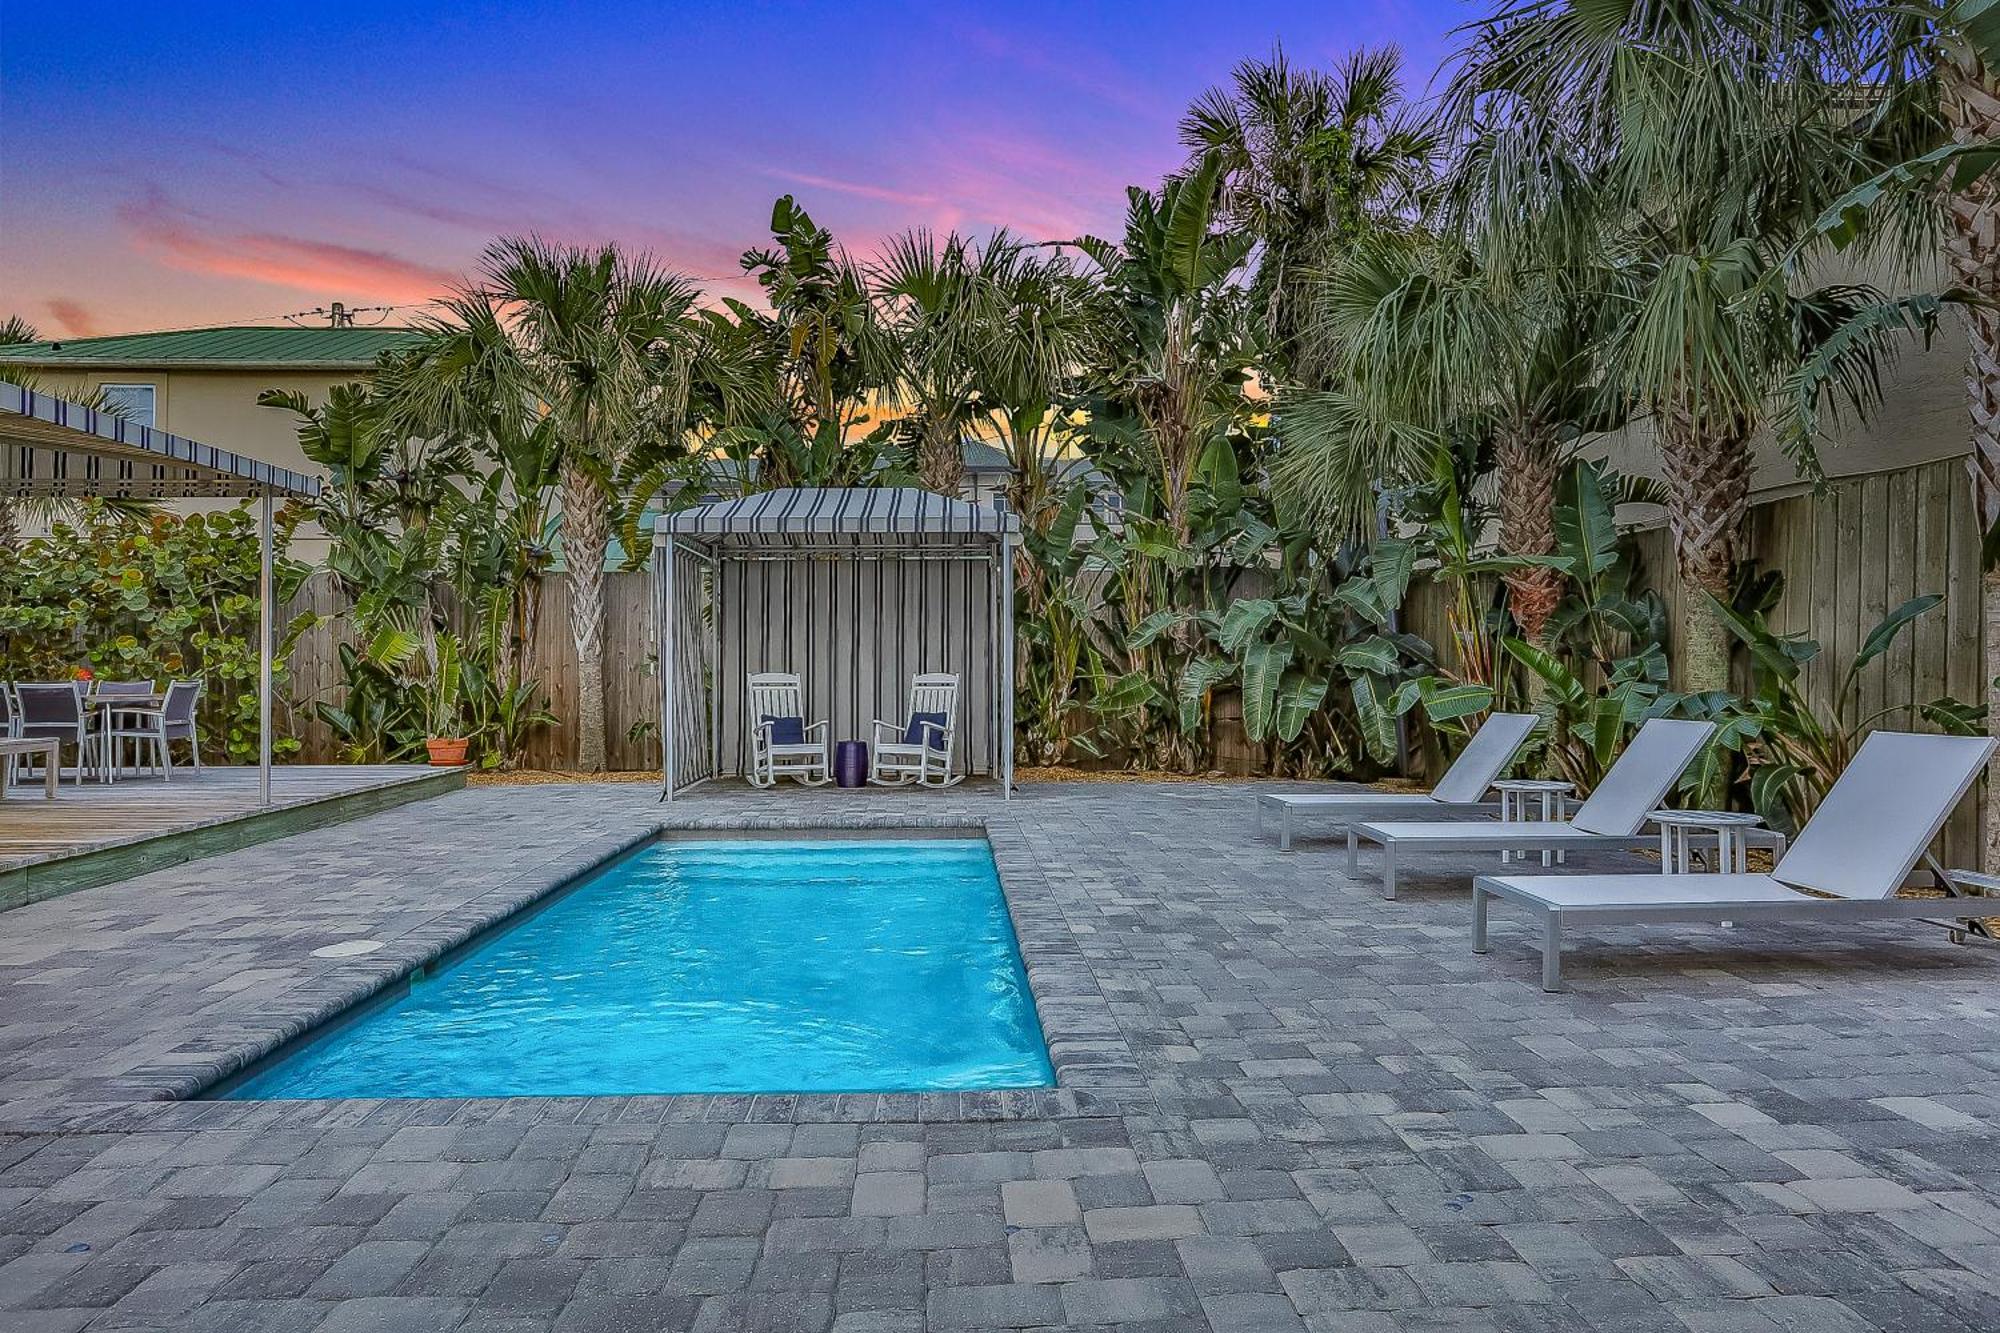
[175,165]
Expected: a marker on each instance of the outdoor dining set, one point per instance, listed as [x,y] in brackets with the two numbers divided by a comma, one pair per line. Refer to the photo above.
[106,726]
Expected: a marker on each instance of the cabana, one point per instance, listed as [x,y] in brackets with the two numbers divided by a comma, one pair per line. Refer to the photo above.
[854,589]
[51,448]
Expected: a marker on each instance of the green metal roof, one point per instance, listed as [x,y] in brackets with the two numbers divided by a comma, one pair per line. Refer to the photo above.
[239,348]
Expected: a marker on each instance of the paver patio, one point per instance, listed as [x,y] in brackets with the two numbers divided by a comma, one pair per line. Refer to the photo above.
[1287,1104]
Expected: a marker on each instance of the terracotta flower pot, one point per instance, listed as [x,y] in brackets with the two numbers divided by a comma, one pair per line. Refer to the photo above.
[447,751]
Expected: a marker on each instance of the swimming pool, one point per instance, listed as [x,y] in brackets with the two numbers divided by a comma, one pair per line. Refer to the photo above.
[732,965]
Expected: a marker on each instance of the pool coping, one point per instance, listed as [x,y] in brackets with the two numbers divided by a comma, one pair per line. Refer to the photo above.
[1096,1074]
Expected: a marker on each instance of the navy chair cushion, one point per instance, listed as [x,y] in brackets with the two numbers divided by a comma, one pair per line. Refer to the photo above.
[915,733]
[786,730]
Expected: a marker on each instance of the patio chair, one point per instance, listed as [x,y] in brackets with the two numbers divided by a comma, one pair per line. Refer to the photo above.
[158,727]
[1847,863]
[921,748]
[781,740]
[1633,787]
[8,724]
[97,696]
[54,710]
[1459,792]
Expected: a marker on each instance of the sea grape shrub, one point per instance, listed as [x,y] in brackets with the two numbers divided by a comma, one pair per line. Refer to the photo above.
[149,596]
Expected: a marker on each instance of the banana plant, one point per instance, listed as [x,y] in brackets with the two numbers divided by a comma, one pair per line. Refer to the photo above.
[1592,725]
[444,705]
[1606,612]
[1793,739]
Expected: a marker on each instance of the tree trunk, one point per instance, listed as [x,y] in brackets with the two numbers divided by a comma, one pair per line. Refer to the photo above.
[1528,466]
[940,461]
[586,529]
[1707,474]
[1969,98]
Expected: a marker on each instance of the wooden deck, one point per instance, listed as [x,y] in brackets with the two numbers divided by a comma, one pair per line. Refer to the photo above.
[100,832]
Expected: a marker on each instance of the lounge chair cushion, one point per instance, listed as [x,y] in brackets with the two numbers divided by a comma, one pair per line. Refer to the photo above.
[1351,800]
[1580,891]
[1477,833]
[786,730]
[914,734]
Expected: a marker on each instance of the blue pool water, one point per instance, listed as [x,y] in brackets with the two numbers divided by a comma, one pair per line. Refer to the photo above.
[724,966]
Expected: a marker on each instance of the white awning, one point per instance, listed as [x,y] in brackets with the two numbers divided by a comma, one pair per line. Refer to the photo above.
[839,516]
[52,447]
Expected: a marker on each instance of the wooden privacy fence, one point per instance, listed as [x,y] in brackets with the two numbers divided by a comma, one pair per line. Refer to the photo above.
[631,685]
[1851,555]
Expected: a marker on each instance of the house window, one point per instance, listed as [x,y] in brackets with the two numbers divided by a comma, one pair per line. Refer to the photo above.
[133,402]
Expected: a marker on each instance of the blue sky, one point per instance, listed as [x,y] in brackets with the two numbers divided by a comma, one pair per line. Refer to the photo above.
[191,164]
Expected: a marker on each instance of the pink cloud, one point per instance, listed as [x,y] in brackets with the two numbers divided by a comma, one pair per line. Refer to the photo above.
[301,263]
[860,189]
[76,319]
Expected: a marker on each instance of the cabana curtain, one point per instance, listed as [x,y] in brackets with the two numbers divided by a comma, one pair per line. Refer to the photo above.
[854,589]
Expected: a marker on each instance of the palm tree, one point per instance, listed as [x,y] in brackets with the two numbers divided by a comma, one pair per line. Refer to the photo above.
[460,385]
[601,344]
[1707,139]
[1310,161]
[1431,344]
[1176,348]
[1038,335]
[14,331]
[937,298]
[1927,77]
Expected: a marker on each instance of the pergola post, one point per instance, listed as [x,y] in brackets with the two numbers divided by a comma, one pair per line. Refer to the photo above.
[669,654]
[1006,682]
[265,609]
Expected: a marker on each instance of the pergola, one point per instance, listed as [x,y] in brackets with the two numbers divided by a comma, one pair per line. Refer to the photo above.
[855,590]
[51,448]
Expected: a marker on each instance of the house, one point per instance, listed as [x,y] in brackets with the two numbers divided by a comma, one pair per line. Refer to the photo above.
[203,383]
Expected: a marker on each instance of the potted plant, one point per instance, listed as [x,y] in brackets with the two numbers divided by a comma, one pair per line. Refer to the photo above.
[443,712]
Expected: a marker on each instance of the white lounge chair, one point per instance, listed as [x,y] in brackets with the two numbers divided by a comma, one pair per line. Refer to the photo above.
[1633,787]
[920,748]
[1846,865]
[782,743]
[1461,791]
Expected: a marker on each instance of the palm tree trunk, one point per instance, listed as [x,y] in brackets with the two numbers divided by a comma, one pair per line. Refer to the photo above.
[1529,464]
[586,528]
[940,465]
[1707,473]
[1969,98]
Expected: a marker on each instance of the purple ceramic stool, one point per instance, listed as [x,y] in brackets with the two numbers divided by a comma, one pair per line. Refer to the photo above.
[850,763]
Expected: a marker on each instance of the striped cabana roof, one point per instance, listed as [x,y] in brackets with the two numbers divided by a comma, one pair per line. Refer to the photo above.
[50,446]
[887,516]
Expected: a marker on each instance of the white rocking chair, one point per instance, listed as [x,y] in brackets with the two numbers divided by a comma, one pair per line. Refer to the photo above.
[776,699]
[897,760]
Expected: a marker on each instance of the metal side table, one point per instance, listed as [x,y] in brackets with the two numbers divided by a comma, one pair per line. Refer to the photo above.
[1516,794]
[1677,839]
